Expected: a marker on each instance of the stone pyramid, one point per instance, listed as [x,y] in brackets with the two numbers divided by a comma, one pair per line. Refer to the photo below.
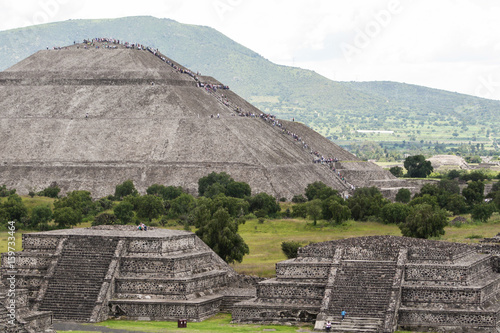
[90,274]
[384,283]
[91,115]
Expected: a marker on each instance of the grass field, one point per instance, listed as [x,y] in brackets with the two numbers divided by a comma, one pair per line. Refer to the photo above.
[219,323]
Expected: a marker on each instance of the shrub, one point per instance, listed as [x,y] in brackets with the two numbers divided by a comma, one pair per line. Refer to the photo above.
[5,192]
[403,195]
[396,171]
[282,199]
[483,211]
[290,248]
[104,219]
[51,192]
[299,210]
[298,198]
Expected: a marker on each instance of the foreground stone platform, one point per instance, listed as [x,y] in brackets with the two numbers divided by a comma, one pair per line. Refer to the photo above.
[383,283]
[94,273]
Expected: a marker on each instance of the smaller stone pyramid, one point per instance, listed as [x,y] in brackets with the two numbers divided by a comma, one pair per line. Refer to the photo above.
[91,274]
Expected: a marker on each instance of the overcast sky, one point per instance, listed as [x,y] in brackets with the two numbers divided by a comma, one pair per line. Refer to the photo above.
[447,44]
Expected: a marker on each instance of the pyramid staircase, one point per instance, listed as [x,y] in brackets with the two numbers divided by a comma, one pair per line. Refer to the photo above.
[362,288]
[73,290]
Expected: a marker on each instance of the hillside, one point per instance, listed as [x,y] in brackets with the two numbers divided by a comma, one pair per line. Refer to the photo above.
[90,116]
[337,110]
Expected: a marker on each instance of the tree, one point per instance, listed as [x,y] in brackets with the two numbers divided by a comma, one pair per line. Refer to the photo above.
[204,183]
[424,199]
[456,204]
[449,185]
[124,212]
[78,200]
[483,211]
[340,213]
[299,210]
[5,192]
[314,209]
[403,195]
[41,214]
[67,216]
[183,204]
[220,233]
[14,208]
[52,191]
[290,248]
[417,166]
[150,207]
[365,202]
[238,190]
[318,190]
[474,192]
[264,202]
[395,213]
[424,222]
[396,171]
[124,189]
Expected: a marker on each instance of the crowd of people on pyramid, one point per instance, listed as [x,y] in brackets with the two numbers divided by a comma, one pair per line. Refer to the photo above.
[212,89]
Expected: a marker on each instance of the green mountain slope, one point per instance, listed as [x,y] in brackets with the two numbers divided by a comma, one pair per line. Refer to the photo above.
[337,110]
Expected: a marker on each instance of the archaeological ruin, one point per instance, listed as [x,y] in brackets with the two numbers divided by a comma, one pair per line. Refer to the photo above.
[92,115]
[384,283]
[92,274]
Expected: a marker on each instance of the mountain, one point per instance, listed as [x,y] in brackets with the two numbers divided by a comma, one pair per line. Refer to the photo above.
[90,116]
[337,110]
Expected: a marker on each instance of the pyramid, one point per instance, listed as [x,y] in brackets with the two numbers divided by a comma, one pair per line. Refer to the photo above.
[92,115]
[384,283]
[91,274]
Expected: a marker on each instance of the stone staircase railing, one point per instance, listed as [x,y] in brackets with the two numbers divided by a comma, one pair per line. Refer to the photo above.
[391,317]
[100,311]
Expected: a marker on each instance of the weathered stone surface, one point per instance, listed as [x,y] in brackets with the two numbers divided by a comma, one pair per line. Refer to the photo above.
[149,122]
[382,282]
[79,274]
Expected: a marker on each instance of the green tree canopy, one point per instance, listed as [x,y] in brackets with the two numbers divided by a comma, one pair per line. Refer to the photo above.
[124,189]
[395,213]
[220,233]
[66,216]
[474,192]
[150,207]
[417,166]
[78,200]
[396,171]
[403,195]
[14,208]
[365,202]
[318,190]
[124,212]
[424,222]
[265,203]
[41,215]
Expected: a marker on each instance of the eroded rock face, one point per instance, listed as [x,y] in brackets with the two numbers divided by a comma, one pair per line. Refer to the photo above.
[90,118]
